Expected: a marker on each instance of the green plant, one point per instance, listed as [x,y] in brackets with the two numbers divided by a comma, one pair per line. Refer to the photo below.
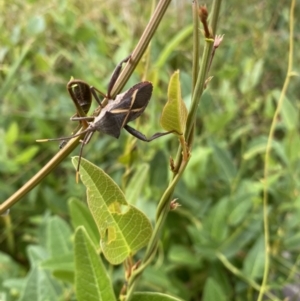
[213,246]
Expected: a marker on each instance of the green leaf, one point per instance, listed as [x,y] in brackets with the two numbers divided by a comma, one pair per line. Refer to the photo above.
[174,114]
[213,291]
[36,25]
[62,267]
[81,216]
[292,242]
[36,255]
[225,162]
[255,260]
[123,228]
[9,269]
[15,285]
[11,135]
[241,211]
[218,217]
[26,155]
[58,237]
[6,85]
[64,275]
[258,147]
[241,237]
[172,46]
[182,255]
[40,286]
[136,183]
[290,114]
[252,74]
[162,279]
[245,233]
[145,296]
[64,262]
[91,279]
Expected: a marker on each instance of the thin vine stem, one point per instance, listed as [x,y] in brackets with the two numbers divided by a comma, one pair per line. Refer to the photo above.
[239,274]
[275,119]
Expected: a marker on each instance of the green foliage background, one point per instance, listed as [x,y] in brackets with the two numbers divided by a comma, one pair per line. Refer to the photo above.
[219,225]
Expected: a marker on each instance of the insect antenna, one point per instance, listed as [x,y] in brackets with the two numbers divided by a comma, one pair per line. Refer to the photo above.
[63,138]
[85,141]
[88,135]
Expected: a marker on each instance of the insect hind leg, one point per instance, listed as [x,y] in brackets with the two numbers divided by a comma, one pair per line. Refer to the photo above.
[141,136]
[84,142]
[115,75]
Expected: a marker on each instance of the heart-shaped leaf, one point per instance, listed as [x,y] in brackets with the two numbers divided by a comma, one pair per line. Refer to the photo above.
[123,228]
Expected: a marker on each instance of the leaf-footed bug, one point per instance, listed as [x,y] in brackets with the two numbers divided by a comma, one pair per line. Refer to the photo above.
[116,115]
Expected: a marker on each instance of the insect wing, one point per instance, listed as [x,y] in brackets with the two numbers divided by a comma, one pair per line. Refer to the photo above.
[127,107]
[135,101]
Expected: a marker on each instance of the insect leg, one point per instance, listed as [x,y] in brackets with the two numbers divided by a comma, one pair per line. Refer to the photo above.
[116,74]
[85,141]
[141,136]
[86,118]
[88,130]
[93,91]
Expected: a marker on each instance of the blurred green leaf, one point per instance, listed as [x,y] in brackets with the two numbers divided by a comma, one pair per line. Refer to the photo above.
[43,63]
[36,25]
[136,183]
[58,237]
[256,147]
[252,74]
[27,155]
[218,217]
[292,242]
[145,296]
[173,44]
[240,212]
[225,162]
[81,216]
[9,269]
[254,263]
[183,256]
[7,83]
[12,134]
[242,236]
[212,291]
[64,275]
[197,167]
[290,114]
[39,285]
[160,277]
[64,262]
[91,279]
